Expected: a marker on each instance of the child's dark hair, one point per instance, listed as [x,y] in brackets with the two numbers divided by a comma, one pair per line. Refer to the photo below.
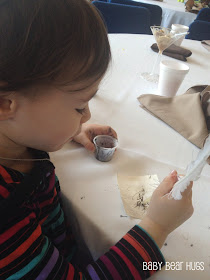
[42,40]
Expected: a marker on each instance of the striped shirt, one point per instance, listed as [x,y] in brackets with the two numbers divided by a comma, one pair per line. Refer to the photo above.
[36,242]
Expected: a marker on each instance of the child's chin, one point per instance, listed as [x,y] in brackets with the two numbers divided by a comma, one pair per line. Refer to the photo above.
[57,148]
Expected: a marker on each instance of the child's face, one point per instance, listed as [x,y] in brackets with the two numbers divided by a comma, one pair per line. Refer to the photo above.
[51,118]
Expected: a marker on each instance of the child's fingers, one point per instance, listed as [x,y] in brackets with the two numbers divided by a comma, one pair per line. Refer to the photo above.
[88,145]
[85,141]
[168,183]
[188,190]
[190,195]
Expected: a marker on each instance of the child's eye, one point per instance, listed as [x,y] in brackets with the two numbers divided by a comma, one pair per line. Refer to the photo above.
[81,111]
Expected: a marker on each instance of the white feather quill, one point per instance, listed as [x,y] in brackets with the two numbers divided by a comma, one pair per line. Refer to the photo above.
[193,171]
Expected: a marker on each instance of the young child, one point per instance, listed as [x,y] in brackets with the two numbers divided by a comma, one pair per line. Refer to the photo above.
[53,55]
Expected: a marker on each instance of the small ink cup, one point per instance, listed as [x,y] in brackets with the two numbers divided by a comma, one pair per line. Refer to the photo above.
[105,147]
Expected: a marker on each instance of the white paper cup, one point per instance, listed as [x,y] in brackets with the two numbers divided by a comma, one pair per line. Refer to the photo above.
[179,28]
[105,147]
[172,73]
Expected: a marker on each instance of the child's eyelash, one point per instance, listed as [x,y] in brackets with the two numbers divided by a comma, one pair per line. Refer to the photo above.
[81,111]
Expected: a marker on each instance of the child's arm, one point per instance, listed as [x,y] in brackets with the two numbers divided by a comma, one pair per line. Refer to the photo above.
[26,252]
[33,256]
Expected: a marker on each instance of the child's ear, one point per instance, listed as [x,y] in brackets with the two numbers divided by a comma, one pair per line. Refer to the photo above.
[7,106]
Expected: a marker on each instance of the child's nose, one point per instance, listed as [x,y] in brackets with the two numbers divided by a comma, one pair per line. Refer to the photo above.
[86,117]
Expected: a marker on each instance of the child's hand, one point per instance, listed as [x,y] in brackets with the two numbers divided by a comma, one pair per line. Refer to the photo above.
[89,131]
[164,215]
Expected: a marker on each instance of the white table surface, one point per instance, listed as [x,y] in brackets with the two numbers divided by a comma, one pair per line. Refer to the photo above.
[146,146]
[173,12]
